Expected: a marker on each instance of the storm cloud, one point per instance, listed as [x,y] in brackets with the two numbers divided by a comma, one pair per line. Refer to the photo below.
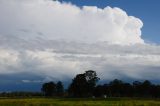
[59,40]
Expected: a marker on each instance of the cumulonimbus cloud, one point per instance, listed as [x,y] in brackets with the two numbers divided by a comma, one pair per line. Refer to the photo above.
[54,20]
[58,40]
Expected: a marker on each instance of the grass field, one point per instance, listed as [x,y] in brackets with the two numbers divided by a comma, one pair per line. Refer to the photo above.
[79,102]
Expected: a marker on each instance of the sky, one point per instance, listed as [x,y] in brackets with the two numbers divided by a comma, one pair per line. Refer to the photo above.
[45,40]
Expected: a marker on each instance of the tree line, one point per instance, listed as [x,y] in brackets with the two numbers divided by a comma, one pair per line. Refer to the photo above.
[85,85]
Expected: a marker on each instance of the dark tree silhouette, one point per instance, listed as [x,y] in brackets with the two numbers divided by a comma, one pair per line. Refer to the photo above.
[116,87]
[137,86]
[100,90]
[49,89]
[146,88]
[78,86]
[127,90]
[59,89]
[92,79]
[83,84]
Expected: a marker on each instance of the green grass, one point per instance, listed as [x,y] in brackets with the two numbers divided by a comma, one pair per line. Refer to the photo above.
[79,102]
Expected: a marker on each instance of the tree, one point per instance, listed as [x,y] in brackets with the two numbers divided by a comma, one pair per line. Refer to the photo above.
[116,87]
[127,90]
[83,84]
[49,89]
[59,88]
[92,79]
[100,91]
[137,86]
[78,86]
[146,88]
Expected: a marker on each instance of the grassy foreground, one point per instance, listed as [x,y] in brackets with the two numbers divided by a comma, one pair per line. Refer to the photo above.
[79,102]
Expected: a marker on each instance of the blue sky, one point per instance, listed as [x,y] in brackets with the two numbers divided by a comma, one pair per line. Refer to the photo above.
[146,10]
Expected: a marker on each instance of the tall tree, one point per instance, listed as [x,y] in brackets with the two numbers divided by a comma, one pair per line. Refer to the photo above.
[59,88]
[78,86]
[138,90]
[49,89]
[92,79]
[116,87]
[83,84]
[146,88]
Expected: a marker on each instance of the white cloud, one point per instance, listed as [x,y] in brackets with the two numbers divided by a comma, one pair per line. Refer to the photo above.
[59,64]
[55,20]
[58,40]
